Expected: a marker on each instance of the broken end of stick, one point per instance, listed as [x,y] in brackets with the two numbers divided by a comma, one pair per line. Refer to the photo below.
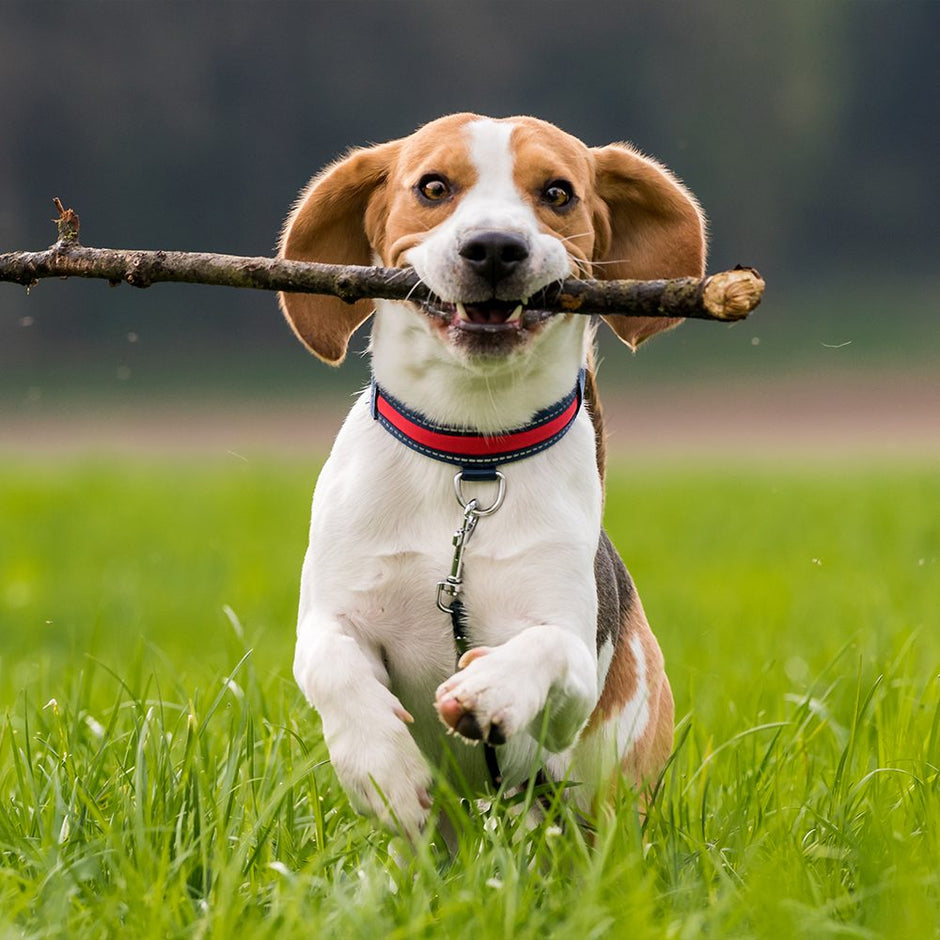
[67,224]
[732,295]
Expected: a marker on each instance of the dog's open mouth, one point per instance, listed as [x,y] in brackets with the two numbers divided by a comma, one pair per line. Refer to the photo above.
[488,316]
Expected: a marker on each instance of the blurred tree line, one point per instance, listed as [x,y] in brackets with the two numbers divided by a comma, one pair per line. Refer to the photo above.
[809,129]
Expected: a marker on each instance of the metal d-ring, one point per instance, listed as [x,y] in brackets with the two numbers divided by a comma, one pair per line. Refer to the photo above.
[477,511]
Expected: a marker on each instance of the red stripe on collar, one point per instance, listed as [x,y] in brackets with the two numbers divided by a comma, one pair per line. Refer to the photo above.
[470,449]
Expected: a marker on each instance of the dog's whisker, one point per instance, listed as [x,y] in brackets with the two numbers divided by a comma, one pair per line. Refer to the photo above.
[610,261]
[417,284]
[581,264]
[568,238]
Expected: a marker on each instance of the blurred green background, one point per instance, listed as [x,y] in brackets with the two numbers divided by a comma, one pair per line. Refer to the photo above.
[809,131]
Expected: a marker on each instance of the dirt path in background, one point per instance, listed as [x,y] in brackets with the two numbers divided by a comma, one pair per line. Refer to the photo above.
[888,415]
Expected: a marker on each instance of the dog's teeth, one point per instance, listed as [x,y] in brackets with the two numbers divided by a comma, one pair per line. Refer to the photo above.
[516,314]
[461,311]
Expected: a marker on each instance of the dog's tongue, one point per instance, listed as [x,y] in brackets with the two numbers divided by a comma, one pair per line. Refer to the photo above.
[491,312]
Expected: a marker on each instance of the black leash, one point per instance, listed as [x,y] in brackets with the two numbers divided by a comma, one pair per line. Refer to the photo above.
[458,621]
[452,587]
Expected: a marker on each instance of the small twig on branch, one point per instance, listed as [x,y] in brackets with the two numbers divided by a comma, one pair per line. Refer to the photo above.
[67,223]
[727,296]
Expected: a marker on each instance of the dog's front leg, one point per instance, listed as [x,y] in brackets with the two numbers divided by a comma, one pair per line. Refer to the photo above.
[374,755]
[543,680]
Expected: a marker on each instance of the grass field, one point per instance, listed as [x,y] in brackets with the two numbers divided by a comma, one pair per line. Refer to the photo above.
[160,775]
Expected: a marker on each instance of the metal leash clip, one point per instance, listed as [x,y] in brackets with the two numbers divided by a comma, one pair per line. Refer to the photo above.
[452,585]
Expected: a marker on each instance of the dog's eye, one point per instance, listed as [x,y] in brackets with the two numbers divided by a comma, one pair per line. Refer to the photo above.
[557,194]
[432,187]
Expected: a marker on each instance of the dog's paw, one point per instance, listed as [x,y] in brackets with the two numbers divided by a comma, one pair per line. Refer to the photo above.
[384,775]
[489,699]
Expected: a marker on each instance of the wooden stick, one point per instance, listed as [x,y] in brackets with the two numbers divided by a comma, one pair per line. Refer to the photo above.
[727,296]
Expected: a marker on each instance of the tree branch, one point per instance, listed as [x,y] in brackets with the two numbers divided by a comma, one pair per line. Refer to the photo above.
[727,296]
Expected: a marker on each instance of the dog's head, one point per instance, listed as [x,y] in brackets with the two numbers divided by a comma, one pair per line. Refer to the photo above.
[488,212]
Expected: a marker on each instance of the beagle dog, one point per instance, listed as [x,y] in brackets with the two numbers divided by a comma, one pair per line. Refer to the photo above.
[458,578]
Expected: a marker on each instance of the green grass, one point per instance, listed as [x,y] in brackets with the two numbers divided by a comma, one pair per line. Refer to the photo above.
[160,775]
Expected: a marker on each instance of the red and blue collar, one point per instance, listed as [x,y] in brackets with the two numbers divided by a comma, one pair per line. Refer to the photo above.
[478,455]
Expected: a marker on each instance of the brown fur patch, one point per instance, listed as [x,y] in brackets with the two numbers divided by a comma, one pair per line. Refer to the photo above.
[649,753]
[621,682]
[646,759]
[592,402]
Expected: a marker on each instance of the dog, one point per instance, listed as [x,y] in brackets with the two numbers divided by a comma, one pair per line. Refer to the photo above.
[458,581]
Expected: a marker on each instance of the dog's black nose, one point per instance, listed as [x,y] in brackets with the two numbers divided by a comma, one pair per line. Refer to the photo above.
[494,255]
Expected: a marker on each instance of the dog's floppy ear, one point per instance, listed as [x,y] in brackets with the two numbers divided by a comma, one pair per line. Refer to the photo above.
[648,226]
[328,224]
